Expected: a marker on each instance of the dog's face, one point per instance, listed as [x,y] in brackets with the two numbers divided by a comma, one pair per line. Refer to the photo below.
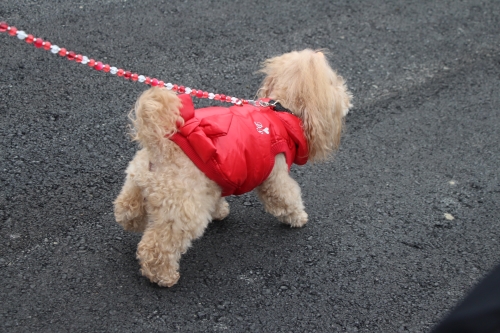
[304,83]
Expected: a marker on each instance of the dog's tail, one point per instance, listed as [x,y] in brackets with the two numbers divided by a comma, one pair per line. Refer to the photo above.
[155,118]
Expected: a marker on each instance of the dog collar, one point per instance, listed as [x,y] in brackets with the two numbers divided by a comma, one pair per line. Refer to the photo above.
[276,106]
[270,103]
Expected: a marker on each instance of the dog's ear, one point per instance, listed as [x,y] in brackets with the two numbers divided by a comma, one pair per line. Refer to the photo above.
[304,83]
[265,87]
[325,111]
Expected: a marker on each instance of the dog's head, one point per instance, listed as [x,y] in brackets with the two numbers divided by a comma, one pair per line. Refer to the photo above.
[304,83]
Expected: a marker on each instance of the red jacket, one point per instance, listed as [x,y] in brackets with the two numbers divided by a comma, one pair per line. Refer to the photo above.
[236,146]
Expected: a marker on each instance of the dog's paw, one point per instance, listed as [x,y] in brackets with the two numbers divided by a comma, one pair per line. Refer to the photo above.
[161,275]
[222,210]
[158,266]
[163,280]
[295,220]
[170,281]
[130,218]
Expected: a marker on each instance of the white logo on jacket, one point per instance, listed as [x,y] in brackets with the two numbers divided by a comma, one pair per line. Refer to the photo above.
[259,128]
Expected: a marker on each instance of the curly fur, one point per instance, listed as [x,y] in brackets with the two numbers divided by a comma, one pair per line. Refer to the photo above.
[171,201]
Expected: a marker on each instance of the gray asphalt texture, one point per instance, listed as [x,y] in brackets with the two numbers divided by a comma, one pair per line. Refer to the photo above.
[378,254]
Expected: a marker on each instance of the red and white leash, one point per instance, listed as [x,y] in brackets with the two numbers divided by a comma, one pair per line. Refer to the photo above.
[128,75]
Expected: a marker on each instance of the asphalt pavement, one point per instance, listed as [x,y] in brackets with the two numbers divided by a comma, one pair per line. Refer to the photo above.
[404,220]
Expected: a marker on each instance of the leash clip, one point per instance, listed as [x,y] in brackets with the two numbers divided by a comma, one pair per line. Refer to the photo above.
[266,104]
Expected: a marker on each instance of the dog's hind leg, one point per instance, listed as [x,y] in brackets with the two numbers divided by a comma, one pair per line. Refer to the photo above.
[129,206]
[174,221]
[281,195]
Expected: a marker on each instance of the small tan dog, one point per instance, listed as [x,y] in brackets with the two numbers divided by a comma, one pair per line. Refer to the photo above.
[168,197]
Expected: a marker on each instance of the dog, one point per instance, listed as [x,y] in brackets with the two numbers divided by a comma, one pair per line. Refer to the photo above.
[191,159]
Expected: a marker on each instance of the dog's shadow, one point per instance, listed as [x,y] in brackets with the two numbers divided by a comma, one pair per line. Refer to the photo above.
[248,239]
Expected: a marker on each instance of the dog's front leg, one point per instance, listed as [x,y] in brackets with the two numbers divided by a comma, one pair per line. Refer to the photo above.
[281,195]
[221,209]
